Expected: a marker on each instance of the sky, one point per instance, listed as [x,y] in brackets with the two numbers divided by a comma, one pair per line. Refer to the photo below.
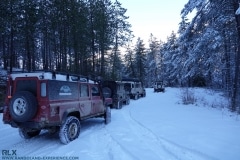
[159,17]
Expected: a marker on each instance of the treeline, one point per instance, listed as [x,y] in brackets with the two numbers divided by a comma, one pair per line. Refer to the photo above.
[77,36]
[204,52]
[207,51]
[85,37]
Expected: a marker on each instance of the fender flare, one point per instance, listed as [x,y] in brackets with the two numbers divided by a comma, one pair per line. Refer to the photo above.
[70,112]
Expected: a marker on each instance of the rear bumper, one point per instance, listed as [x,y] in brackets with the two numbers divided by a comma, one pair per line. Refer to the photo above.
[30,124]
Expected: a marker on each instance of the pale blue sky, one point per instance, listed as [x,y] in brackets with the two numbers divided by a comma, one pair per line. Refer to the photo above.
[159,17]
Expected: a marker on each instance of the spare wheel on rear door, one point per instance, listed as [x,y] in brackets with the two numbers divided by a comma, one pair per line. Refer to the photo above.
[23,106]
[107,92]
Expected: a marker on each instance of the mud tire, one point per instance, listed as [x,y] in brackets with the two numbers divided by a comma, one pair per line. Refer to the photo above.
[70,130]
[107,116]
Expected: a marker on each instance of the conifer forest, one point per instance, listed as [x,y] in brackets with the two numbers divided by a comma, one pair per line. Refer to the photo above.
[94,37]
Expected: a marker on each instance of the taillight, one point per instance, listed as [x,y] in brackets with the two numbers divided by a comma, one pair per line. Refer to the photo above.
[10,92]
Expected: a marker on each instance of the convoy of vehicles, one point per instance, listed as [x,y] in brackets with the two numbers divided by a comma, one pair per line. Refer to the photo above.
[55,102]
[58,102]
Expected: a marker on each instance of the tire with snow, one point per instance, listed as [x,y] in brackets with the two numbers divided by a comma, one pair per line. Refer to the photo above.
[26,134]
[107,115]
[70,130]
[23,106]
[144,94]
[120,104]
[127,100]
[136,96]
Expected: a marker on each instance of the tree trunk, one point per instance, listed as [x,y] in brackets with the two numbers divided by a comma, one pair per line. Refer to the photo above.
[235,83]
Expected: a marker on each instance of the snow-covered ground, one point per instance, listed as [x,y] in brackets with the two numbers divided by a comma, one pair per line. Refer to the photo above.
[157,127]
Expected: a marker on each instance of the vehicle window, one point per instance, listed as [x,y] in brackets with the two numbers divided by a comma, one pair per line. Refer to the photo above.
[43,89]
[62,90]
[95,91]
[127,86]
[84,90]
[27,85]
[137,85]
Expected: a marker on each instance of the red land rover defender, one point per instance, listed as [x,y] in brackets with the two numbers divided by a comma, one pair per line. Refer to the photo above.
[46,100]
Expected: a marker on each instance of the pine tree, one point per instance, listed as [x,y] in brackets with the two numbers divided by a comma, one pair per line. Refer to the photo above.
[130,65]
[140,60]
[153,62]
[121,32]
[169,50]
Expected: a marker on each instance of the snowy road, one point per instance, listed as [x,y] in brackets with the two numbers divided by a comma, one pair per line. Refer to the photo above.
[156,127]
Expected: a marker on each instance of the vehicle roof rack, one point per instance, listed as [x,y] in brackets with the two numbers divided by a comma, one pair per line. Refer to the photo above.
[131,79]
[51,75]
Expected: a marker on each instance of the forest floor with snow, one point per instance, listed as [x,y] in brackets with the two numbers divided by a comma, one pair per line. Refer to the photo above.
[157,127]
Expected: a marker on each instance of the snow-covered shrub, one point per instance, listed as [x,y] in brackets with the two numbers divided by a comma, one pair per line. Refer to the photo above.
[187,96]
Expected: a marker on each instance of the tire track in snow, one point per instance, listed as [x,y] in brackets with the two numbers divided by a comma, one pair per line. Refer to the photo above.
[112,149]
[134,139]
[149,138]
[177,151]
[46,143]
[116,145]
[40,145]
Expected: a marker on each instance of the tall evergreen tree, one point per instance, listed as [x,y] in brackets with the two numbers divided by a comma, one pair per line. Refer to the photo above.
[140,60]
[130,66]
[153,67]
[169,50]
[121,32]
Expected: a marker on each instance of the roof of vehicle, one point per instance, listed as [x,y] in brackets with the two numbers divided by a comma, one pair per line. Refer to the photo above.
[131,79]
[51,76]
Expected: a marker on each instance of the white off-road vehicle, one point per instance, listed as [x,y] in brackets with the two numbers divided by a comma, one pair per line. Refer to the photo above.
[134,87]
[159,86]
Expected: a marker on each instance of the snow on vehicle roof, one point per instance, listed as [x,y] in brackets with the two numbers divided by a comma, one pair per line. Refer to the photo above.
[51,76]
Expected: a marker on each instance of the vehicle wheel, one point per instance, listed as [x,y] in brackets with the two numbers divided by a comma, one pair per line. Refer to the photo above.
[70,130]
[128,101]
[120,104]
[136,96]
[107,115]
[26,133]
[23,106]
[144,94]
